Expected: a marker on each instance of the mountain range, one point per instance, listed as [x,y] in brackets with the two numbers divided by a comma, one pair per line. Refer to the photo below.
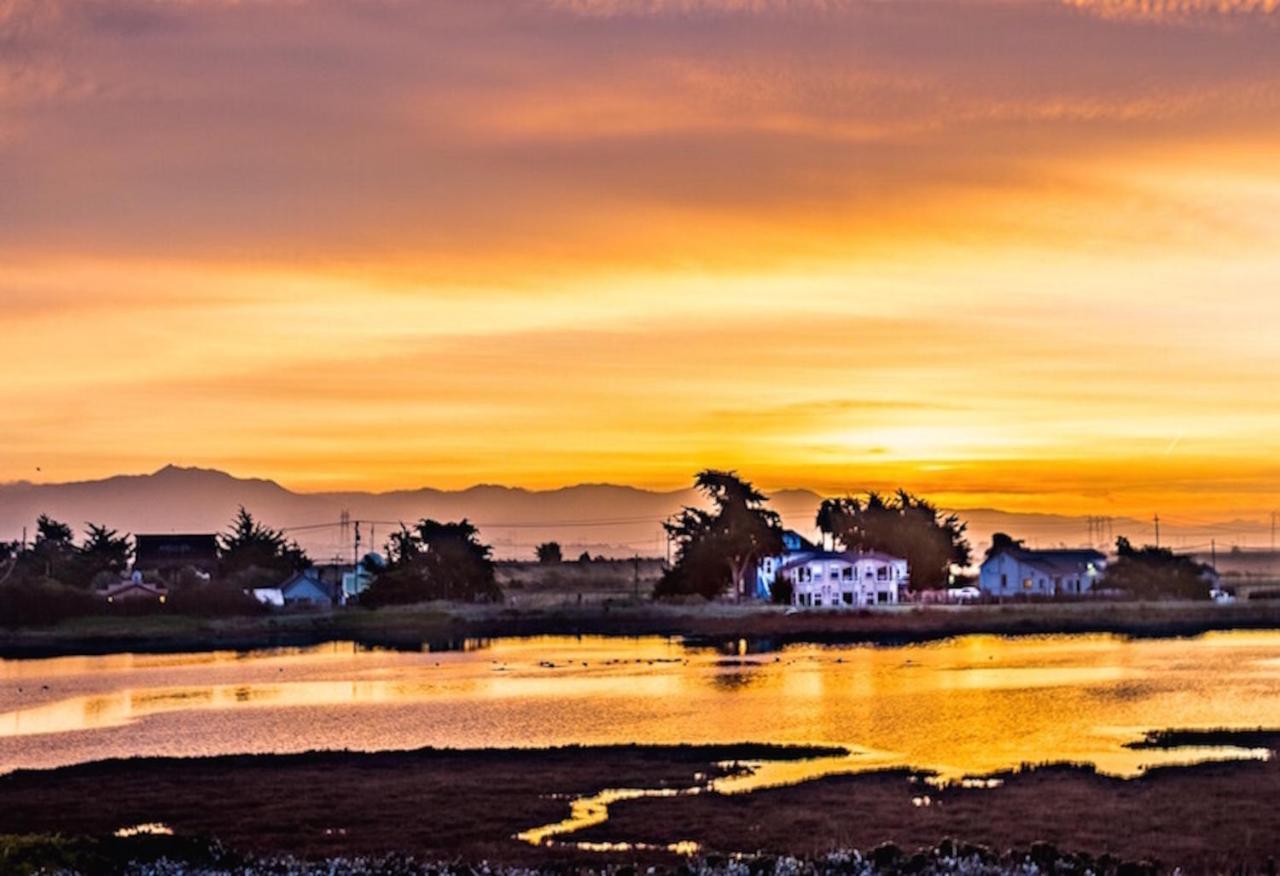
[605,519]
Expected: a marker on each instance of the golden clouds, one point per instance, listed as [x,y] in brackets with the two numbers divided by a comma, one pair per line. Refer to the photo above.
[957,245]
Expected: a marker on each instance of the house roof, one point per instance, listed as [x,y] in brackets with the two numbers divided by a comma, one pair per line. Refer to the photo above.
[1055,562]
[126,586]
[800,559]
[805,544]
[313,577]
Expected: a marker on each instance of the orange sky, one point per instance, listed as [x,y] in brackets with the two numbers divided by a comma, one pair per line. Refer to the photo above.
[1016,253]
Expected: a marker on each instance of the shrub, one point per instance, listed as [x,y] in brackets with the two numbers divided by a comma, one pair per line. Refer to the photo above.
[783,590]
[214,600]
[43,602]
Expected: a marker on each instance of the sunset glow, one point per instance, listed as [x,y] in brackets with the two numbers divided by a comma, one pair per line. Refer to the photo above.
[1007,253]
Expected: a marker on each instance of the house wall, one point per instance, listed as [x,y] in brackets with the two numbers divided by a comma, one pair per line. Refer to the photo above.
[306,591]
[767,572]
[1004,575]
[838,583]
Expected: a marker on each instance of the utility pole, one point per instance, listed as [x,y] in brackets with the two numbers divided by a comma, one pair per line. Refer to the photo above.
[1157,530]
[1213,553]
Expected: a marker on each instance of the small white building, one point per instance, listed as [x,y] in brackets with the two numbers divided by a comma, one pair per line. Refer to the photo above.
[845,579]
[1016,571]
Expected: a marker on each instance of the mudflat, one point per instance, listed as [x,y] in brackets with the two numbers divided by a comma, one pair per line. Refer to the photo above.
[469,805]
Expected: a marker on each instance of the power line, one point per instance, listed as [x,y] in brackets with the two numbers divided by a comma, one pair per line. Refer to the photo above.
[620,521]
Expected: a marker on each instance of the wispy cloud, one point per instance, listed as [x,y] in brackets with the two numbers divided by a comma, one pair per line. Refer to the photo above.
[1175,10]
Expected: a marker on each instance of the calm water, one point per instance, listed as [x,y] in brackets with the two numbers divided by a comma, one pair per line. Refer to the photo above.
[968,706]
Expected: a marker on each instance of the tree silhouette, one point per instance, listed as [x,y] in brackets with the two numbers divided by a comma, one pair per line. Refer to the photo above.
[435,561]
[252,550]
[53,554]
[103,550]
[1002,541]
[716,548]
[1157,573]
[549,553]
[901,525]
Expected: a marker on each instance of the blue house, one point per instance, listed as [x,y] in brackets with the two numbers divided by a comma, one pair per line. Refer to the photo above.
[1019,571]
[795,546]
[308,588]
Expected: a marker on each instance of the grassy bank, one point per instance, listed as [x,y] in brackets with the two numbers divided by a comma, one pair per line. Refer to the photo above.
[440,624]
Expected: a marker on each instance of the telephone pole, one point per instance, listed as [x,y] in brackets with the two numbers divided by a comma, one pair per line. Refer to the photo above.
[1157,521]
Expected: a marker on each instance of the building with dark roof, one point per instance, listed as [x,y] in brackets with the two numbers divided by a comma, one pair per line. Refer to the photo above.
[1019,571]
[166,555]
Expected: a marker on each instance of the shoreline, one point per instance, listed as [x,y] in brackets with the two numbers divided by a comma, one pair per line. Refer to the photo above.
[439,627]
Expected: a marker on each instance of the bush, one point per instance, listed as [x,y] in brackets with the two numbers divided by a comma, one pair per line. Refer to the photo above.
[39,854]
[783,590]
[214,600]
[44,602]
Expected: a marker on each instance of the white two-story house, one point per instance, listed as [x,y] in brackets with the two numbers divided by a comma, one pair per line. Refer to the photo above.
[845,579]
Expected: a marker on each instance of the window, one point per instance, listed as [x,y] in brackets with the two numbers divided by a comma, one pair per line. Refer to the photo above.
[848,573]
[1004,582]
[882,574]
[848,598]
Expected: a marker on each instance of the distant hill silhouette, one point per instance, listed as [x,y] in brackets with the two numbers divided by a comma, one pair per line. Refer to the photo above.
[600,518]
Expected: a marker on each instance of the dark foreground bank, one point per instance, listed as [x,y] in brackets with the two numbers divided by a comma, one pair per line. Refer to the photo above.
[470,805]
[28,856]
[441,626]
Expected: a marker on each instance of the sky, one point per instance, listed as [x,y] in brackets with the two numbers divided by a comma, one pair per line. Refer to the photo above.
[1007,253]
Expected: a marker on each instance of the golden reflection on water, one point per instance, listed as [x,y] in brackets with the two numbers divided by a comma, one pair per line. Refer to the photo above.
[970,706]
